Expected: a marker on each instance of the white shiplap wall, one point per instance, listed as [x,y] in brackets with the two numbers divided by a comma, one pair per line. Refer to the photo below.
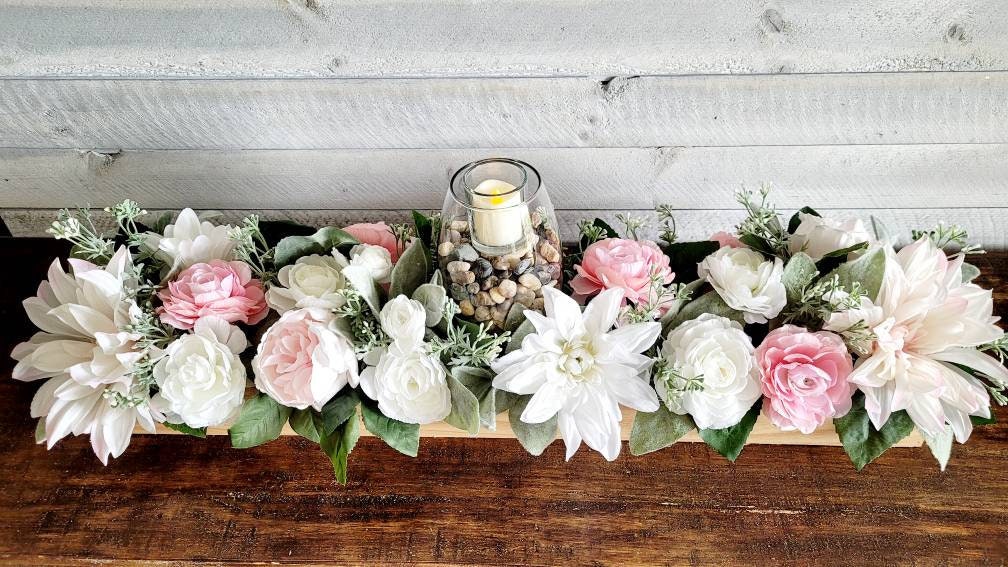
[357,110]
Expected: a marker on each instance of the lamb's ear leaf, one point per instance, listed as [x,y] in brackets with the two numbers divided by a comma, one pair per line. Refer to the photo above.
[479,381]
[657,430]
[261,420]
[535,437]
[525,328]
[798,273]
[868,270]
[411,271]
[465,410]
[730,440]
[709,302]
[969,272]
[433,298]
[323,241]
[862,442]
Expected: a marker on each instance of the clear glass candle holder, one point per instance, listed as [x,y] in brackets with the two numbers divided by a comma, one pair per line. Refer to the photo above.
[498,245]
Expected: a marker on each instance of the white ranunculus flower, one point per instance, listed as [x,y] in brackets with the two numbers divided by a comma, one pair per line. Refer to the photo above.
[716,349]
[86,355]
[747,282]
[818,236]
[923,323]
[189,241]
[200,377]
[375,259]
[404,320]
[578,369]
[312,281]
[410,385]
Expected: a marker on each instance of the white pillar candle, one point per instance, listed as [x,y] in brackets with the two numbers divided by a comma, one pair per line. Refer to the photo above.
[499,215]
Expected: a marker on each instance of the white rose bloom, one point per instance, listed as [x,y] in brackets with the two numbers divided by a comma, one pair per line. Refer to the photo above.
[201,378]
[312,281]
[747,282]
[190,241]
[375,259]
[409,384]
[717,349]
[818,236]
[404,320]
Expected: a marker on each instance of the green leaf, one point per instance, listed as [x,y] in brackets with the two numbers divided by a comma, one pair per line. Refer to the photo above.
[261,420]
[307,423]
[882,233]
[465,411]
[843,252]
[977,420]
[425,228]
[798,273]
[730,440]
[338,410]
[519,334]
[868,270]
[275,231]
[796,218]
[709,302]
[657,430]
[940,445]
[403,437]
[323,241]
[410,272]
[338,444]
[504,400]
[515,317]
[686,291]
[684,257]
[535,437]
[969,272]
[40,433]
[479,381]
[433,298]
[183,428]
[162,222]
[862,442]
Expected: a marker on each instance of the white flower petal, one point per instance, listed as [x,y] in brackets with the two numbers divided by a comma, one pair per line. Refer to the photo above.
[601,313]
[545,403]
[635,338]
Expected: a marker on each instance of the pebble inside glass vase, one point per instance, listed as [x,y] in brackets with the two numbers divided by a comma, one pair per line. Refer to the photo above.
[499,244]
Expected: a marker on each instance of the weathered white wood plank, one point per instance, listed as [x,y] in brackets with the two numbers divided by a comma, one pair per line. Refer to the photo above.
[722,110]
[986,225]
[930,175]
[315,38]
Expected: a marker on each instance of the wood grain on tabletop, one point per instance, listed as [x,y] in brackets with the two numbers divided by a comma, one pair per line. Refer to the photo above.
[177,499]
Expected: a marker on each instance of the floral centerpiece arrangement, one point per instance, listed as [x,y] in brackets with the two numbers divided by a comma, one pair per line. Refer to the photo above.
[253,327]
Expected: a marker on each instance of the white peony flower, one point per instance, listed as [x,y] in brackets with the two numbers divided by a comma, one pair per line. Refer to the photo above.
[818,236]
[410,385]
[579,369]
[86,355]
[716,349]
[404,320]
[747,282]
[190,241]
[200,377]
[312,281]
[375,259]
[925,321]
[304,359]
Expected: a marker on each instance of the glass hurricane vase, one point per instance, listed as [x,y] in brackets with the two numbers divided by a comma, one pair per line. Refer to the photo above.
[498,245]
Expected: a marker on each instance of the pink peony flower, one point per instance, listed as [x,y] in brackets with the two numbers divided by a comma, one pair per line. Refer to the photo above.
[218,288]
[378,234]
[804,377]
[727,239]
[617,263]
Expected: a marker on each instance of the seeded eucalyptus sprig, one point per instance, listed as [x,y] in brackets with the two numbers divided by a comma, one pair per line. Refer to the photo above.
[78,228]
[252,248]
[953,239]
[762,229]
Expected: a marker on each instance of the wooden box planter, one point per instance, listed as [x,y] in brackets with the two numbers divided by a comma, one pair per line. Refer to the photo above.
[763,433]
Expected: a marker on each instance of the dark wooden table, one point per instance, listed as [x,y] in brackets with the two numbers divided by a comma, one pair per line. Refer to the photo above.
[174,499]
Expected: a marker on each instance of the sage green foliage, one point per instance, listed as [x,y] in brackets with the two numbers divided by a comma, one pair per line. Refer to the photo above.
[683,296]
[657,430]
[432,297]
[534,437]
[479,381]
[289,249]
[261,420]
[465,408]
[411,271]
[40,433]
[524,329]
[798,273]
[403,437]
[969,272]
[183,428]
[709,302]
[862,442]
[730,440]
[868,270]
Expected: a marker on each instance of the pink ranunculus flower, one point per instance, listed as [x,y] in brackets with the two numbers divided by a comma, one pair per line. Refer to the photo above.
[727,239]
[304,359]
[216,288]
[804,377]
[378,234]
[617,263]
